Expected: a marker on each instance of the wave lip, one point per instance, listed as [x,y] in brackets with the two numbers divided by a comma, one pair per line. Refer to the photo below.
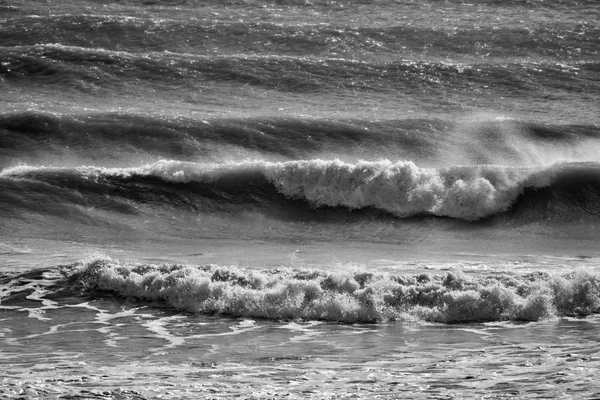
[358,296]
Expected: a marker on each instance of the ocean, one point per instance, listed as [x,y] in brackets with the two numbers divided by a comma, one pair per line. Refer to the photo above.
[321,199]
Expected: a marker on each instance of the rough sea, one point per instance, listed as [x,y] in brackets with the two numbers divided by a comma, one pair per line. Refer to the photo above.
[378,199]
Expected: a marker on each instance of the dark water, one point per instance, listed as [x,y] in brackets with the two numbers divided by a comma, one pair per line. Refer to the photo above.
[311,198]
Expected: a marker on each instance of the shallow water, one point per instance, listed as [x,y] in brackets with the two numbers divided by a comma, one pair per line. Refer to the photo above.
[122,350]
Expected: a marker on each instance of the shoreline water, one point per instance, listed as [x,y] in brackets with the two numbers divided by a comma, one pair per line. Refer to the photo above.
[191,356]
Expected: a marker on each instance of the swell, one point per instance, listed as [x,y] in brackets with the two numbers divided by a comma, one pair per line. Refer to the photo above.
[83,69]
[32,137]
[27,137]
[357,295]
[296,190]
[325,36]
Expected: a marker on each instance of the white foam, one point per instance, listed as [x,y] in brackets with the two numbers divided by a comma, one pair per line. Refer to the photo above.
[402,188]
[345,296]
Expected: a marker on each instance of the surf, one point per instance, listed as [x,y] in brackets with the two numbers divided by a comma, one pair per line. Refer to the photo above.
[401,189]
[351,296]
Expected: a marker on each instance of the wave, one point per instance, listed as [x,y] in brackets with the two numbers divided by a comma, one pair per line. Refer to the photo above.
[316,35]
[120,138]
[85,69]
[350,296]
[401,189]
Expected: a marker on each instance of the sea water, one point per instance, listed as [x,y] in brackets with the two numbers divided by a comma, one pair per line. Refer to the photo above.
[299,199]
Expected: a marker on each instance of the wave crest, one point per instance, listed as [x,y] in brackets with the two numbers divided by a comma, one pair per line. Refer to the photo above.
[402,188]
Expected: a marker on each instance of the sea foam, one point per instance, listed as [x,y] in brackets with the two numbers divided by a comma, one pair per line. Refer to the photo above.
[353,296]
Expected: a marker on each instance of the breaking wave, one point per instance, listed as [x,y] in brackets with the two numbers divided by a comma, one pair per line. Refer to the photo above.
[401,188]
[351,296]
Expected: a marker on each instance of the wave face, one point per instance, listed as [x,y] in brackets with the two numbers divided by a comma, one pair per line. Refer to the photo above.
[122,138]
[350,297]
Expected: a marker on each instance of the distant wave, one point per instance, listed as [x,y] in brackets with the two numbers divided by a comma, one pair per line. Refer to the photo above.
[399,188]
[349,297]
[70,67]
[258,35]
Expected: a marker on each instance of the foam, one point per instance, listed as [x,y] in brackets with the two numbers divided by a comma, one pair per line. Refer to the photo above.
[402,187]
[348,297]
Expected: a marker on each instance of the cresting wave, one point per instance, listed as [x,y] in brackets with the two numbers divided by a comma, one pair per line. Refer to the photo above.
[400,188]
[353,296]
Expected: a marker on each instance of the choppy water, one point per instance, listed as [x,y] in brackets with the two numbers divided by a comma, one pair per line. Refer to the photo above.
[311,199]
